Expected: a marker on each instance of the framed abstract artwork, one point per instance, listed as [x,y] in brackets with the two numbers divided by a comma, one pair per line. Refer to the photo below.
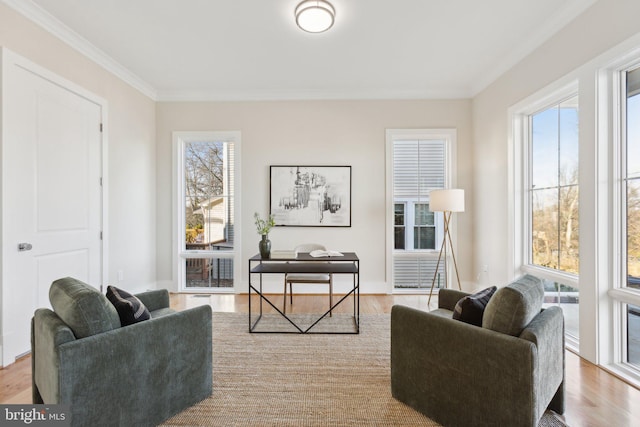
[311,196]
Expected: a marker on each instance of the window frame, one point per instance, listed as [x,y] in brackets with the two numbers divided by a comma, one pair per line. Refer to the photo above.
[180,253]
[622,295]
[520,132]
[418,227]
[608,299]
[519,172]
[449,135]
[530,190]
[403,226]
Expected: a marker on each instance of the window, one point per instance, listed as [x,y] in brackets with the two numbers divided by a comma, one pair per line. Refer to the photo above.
[546,221]
[399,226]
[206,165]
[618,146]
[631,178]
[424,230]
[553,187]
[419,162]
[630,218]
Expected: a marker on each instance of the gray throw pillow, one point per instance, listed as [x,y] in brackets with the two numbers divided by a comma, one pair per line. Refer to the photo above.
[130,309]
[513,307]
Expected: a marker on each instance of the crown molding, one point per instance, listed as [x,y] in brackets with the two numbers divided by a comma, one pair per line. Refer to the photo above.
[372,94]
[42,18]
[39,16]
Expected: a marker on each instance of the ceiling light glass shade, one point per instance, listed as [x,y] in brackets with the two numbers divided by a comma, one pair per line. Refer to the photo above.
[315,16]
[449,200]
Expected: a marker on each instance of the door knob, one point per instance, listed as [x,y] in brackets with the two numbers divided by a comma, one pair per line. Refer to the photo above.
[24,247]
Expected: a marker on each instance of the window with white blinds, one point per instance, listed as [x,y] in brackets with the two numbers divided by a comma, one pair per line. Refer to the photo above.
[418,167]
[418,161]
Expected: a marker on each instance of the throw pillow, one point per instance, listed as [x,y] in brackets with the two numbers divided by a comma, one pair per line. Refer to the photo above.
[129,307]
[470,309]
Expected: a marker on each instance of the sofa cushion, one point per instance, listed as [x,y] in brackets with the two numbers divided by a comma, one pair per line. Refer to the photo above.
[130,309]
[83,308]
[470,309]
[512,308]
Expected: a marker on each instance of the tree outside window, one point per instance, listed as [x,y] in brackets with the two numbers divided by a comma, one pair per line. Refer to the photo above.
[208,207]
[208,213]
[633,178]
[554,187]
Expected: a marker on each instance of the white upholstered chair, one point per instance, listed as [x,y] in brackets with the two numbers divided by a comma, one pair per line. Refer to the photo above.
[291,278]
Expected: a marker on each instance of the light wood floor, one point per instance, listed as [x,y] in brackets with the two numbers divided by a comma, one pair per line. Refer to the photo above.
[594,397]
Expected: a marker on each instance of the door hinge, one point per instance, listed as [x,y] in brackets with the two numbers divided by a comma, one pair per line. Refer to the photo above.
[101,235]
[100,127]
[100,181]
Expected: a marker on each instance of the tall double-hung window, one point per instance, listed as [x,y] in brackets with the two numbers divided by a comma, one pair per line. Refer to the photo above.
[630,217]
[418,162]
[547,221]
[618,140]
[553,187]
[206,226]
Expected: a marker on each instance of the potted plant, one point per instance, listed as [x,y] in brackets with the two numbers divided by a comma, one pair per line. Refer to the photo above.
[263,226]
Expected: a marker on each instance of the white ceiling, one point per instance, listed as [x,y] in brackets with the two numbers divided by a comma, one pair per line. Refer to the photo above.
[252,49]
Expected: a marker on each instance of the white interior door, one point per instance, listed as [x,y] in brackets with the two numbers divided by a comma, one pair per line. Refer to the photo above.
[52,196]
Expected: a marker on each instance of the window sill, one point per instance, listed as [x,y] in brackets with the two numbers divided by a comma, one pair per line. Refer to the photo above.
[554,275]
[628,296]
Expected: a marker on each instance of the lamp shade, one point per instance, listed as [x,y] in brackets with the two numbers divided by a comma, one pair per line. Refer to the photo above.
[449,200]
[315,16]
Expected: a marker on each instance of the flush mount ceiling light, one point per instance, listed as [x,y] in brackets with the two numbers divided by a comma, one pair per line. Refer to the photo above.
[315,16]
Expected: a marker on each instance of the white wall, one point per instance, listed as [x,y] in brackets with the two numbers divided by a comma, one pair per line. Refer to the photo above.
[130,129]
[573,53]
[314,133]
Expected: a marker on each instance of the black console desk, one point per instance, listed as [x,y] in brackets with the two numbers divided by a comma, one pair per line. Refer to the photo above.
[303,263]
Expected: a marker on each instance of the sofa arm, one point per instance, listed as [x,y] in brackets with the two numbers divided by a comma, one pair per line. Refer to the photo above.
[155,300]
[139,374]
[460,374]
[546,331]
[48,332]
[448,298]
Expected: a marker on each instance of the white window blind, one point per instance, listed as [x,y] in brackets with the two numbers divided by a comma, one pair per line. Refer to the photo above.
[418,167]
[416,272]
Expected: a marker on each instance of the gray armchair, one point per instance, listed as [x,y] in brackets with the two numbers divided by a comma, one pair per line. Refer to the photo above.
[110,375]
[505,373]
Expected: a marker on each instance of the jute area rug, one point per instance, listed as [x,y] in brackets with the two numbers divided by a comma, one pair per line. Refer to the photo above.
[302,380]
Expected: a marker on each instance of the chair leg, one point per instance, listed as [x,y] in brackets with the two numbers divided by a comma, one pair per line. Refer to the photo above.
[330,295]
[291,292]
[284,300]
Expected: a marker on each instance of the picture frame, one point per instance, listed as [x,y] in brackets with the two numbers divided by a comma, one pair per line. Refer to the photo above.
[310,196]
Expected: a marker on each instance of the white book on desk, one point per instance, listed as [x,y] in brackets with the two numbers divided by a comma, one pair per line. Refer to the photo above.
[320,253]
[283,254]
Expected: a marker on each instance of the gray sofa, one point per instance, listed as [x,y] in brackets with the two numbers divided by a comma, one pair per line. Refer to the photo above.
[505,373]
[113,375]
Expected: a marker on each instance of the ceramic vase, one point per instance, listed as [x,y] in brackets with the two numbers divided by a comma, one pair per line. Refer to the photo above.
[265,246]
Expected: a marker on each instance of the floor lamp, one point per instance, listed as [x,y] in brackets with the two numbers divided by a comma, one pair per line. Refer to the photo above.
[446,201]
